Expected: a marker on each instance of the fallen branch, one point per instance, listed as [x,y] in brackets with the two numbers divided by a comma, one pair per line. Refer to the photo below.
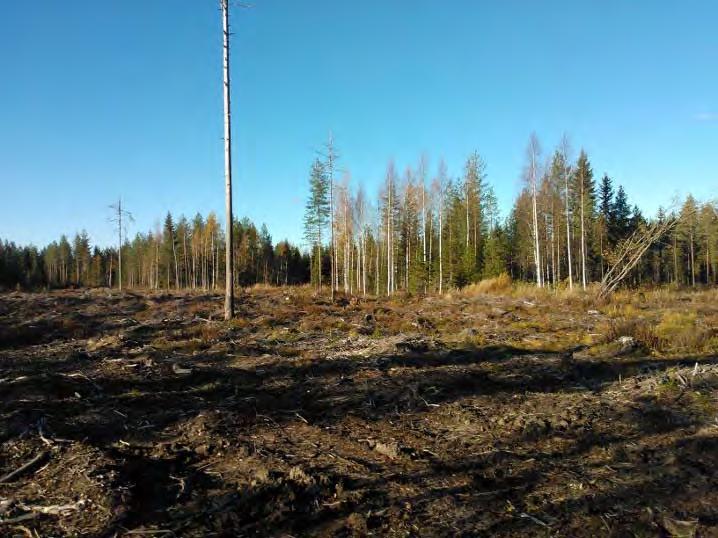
[36,510]
[54,509]
[534,519]
[18,519]
[40,458]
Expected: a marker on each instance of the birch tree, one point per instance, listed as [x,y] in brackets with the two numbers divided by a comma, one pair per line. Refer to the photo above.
[533,153]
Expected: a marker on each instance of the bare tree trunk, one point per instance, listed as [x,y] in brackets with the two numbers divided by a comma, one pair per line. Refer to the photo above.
[388,245]
[568,232]
[467,215]
[600,235]
[334,267]
[423,220]
[376,274]
[441,235]
[583,238]
[533,155]
[364,262]
[693,267]
[553,253]
[675,259]
[708,261]
[347,259]
[119,245]
[229,260]
[428,270]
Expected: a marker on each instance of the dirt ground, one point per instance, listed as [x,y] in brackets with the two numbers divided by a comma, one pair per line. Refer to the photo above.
[140,414]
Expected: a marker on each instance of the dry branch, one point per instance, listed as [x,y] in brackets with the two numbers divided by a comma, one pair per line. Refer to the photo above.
[26,467]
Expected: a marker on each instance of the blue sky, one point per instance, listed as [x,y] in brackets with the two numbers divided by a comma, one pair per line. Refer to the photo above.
[123,97]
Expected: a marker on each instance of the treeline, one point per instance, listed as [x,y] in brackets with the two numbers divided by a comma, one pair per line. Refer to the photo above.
[428,232]
[425,231]
[179,254]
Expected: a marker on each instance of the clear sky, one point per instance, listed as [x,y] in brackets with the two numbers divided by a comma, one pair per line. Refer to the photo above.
[123,97]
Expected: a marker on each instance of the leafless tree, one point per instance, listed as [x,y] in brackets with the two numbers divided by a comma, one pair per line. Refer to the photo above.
[118,214]
[533,152]
[229,259]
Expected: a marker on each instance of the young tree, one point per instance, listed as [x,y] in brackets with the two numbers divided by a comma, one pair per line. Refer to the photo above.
[316,216]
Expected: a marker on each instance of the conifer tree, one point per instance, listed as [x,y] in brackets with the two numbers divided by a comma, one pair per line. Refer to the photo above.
[316,216]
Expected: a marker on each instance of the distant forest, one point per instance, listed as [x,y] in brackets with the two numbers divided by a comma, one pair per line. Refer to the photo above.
[424,232]
[182,254]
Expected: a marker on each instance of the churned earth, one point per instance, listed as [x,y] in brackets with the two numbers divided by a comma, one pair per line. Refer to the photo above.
[144,414]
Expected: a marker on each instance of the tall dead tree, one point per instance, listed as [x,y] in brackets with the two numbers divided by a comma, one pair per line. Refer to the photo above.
[117,215]
[229,259]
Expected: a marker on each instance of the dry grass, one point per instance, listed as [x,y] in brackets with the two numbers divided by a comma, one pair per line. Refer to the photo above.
[497,285]
[673,332]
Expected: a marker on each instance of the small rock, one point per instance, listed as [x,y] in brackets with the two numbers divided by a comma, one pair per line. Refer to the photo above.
[626,343]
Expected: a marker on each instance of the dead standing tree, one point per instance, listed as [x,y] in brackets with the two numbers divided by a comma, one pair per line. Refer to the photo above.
[229,259]
[117,215]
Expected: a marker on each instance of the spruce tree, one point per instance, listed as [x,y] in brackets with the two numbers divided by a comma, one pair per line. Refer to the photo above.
[605,196]
[316,216]
[621,217]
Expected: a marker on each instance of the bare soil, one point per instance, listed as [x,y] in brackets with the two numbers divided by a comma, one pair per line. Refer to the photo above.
[141,414]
